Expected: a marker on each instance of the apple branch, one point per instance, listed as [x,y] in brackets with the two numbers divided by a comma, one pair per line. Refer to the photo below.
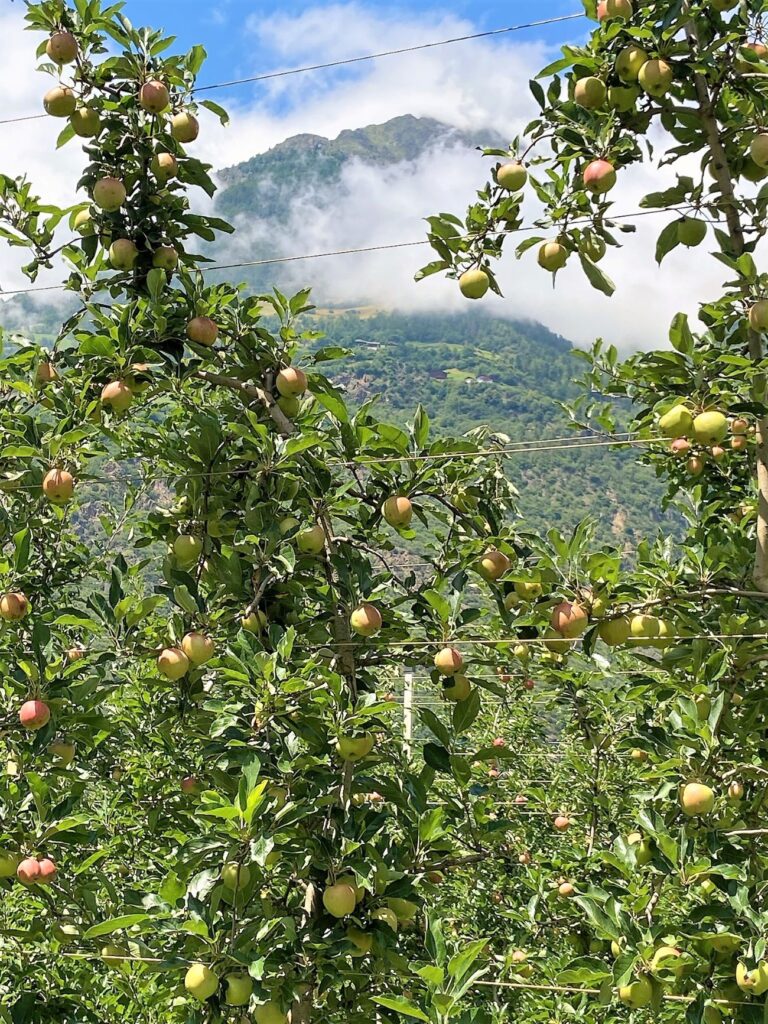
[278,417]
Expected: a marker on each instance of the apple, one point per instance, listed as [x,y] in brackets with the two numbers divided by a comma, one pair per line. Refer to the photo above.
[109,194]
[553,256]
[449,661]
[618,9]
[717,453]
[755,980]
[511,176]
[366,620]
[404,910]
[499,741]
[758,315]
[623,98]
[239,989]
[592,246]
[696,799]
[643,628]
[58,486]
[203,331]
[164,166]
[254,622]
[47,871]
[187,549]
[638,755]
[76,653]
[190,785]
[569,619]
[62,47]
[123,254]
[566,889]
[710,427]
[60,101]
[474,283]
[14,606]
[521,652]
[694,466]
[339,899]
[45,373]
[362,941]
[655,78]
[677,422]
[736,791]
[65,932]
[493,565]
[354,748]
[201,982]
[34,714]
[590,93]
[562,823]
[691,231]
[525,858]
[290,405]
[739,442]
[614,632]
[680,446]
[385,916]
[112,954]
[235,876]
[758,150]
[154,97]
[28,871]
[739,425]
[668,958]
[397,510]
[755,49]
[528,590]
[291,381]
[117,395]
[629,62]
[9,862]
[311,541]
[172,663]
[63,752]
[165,257]
[459,689]
[637,994]
[83,223]
[185,127]
[599,177]
[198,648]
[269,1013]
[85,122]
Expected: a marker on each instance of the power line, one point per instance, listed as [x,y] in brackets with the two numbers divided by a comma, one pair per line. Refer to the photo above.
[354,60]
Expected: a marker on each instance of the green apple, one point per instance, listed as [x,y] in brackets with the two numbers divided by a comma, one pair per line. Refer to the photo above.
[201,982]
[239,989]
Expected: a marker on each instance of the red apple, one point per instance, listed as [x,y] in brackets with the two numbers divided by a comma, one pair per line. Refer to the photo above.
[34,714]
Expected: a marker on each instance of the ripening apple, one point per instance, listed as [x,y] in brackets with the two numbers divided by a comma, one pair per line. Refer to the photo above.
[58,486]
[644,628]
[755,980]
[569,619]
[758,315]
[736,791]
[339,899]
[717,452]
[172,663]
[60,101]
[385,916]
[185,127]
[623,98]
[198,648]
[117,395]
[552,256]
[458,689]
[366,620]
[655,78]
[397,510]
[85,122]
[599,177]
[739,442]
[629,62]
[614,632]
[680,446]
[154,97]
[47,871]
[14,606]
[758,150]
[254,622]
[638,755]
[34,714]
[739,425]
[449,661]
[290,405]
[562,823]
[512,176]
[566,889]
[109,194]
[83,223]
[187,549]
[62,47]
[269,1013]
[165,257]
[362,941]
[123,254]
[691,231]
[637,994]
[710,427]
[164,166]
[203,330]
[63,752]
[235,876]
[311,541]
[668,958]
[190,785]
[201,982]
[474,283]
[618,9]
[590,93]
[9,862]
[493,564]
[291,381]
[28,871]
[45,373]
[694,466]
[528,590]
[239,989]
[756,50]
[696,799]
[354,748]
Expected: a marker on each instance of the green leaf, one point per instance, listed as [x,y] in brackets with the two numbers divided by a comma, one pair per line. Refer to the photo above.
[667,241]
[462,962]
[596,277]
[115,924]
[329,397]
[401,1006]
[465,712]
[22,543]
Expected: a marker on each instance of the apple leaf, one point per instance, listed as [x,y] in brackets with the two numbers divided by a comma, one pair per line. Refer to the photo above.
[401,1006]
[115,924]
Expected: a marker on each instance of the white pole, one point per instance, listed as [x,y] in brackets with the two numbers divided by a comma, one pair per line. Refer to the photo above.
[408,712]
